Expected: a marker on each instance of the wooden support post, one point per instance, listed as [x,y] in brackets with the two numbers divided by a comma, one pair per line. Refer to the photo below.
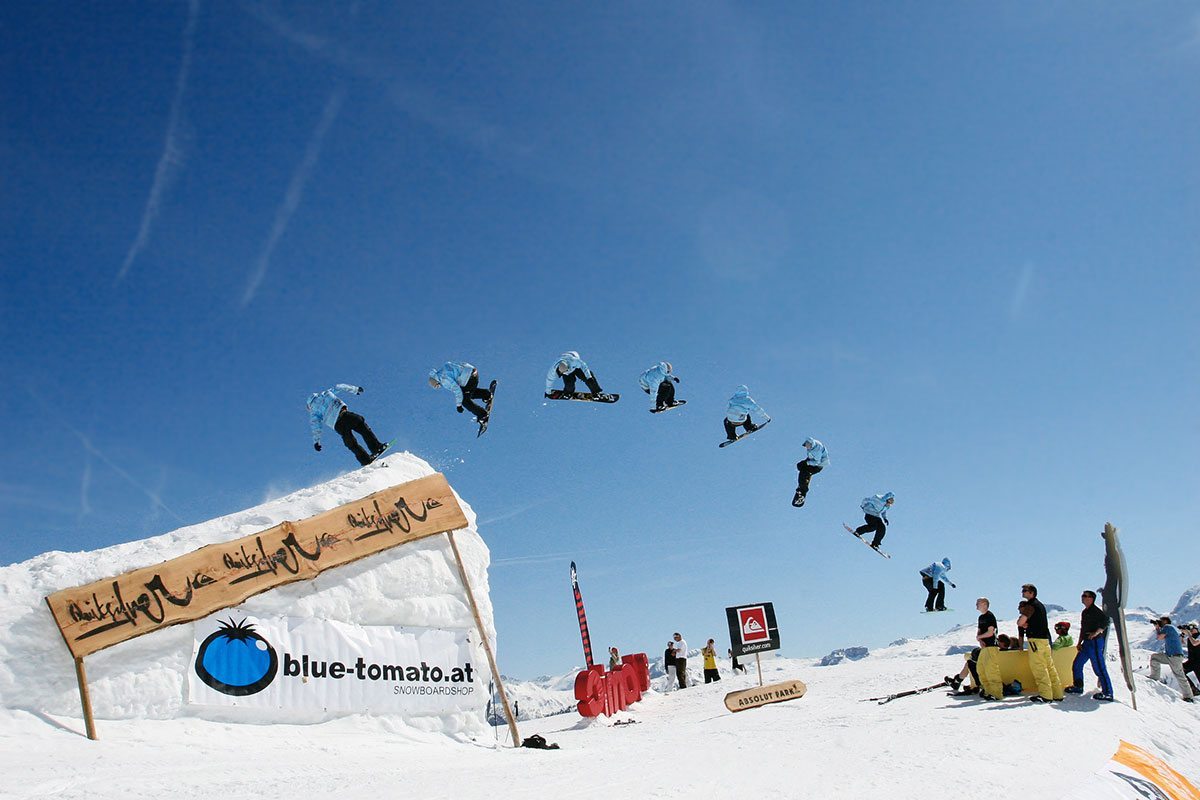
[88,720]
[758,662]
[487,647]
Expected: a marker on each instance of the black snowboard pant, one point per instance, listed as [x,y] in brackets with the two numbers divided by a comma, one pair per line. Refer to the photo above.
[471,393]
[807,470]
[666,394]
[348,423]
[876,524]
[973,666]
[731,427]
[711,675]
[570,378]
[1193,666]
[681,671]
[937,593]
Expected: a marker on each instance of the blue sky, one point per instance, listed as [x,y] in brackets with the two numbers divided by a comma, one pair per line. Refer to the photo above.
[956,242]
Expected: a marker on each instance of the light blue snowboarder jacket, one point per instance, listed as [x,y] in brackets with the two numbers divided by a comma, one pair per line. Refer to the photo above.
[876,505]
[573,362]
[743,407]
[452,376]
[653,377]
[324,407]
[938,571]
[817,456]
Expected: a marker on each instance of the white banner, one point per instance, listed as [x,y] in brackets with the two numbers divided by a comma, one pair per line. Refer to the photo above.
[312,664]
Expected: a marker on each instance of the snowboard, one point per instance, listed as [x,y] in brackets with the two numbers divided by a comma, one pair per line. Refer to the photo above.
[938,611]
[798,500]
[850,531]
[728,442]
[387,446]
[676,404]
[487,412]
[587,397]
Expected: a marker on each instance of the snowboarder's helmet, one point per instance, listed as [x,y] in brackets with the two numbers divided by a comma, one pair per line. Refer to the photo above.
[667,364]
[1061,627]
[562,368]
[433,378]
[946,563]
[808,442]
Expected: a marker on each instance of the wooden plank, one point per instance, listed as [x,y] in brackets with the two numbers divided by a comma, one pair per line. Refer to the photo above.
[763,695]
[487,647]
[85,699]
[218,576]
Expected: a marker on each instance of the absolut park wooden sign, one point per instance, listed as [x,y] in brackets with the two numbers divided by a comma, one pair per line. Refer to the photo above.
[217,576]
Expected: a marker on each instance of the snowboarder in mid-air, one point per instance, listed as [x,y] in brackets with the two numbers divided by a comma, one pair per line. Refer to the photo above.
[659,381]
[570,368]
[816,461]
[326,409]
[934,579]
[740,413]
[875,508]
[462,380]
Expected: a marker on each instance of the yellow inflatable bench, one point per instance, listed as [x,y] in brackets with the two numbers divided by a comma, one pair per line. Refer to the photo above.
[1015,664]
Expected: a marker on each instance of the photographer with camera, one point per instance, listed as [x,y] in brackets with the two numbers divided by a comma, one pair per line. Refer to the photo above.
[1172,655]
[1191,637]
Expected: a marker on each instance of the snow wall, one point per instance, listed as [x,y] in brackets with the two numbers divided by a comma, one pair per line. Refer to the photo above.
[415,584]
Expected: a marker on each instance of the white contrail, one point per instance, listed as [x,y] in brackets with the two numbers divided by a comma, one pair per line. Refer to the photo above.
[85,485]
[154,496]
[172,154]
[295,192]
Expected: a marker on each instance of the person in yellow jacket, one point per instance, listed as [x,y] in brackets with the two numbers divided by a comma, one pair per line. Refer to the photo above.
[1041,660]
[710,662]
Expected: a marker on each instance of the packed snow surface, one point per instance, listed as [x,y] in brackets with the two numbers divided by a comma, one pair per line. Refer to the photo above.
[829,743]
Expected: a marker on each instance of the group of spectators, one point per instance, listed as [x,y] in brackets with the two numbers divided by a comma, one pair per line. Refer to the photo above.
[1033,637]
[675,661]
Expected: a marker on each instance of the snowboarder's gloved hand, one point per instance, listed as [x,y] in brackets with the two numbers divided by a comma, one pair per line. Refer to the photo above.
[360,390]
[675,379]
[458,409]
[317,446]
[953,586]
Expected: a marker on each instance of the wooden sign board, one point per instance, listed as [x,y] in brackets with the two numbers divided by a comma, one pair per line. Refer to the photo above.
[217,576]
[764,695]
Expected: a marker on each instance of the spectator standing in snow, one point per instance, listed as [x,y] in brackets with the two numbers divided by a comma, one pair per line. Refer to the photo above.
[1191,637]
[669,663]
[1093,629]
[710,662]
[614,659]
[934,579]
[815,461]
[1041,661]
[736,665]
[326,410]
[679,645]
[1172,656]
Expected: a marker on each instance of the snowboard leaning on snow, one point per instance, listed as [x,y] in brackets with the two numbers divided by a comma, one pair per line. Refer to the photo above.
[850,531]
[587,397]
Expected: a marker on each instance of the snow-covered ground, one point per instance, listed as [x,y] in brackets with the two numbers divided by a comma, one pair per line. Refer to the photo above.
[829,743]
